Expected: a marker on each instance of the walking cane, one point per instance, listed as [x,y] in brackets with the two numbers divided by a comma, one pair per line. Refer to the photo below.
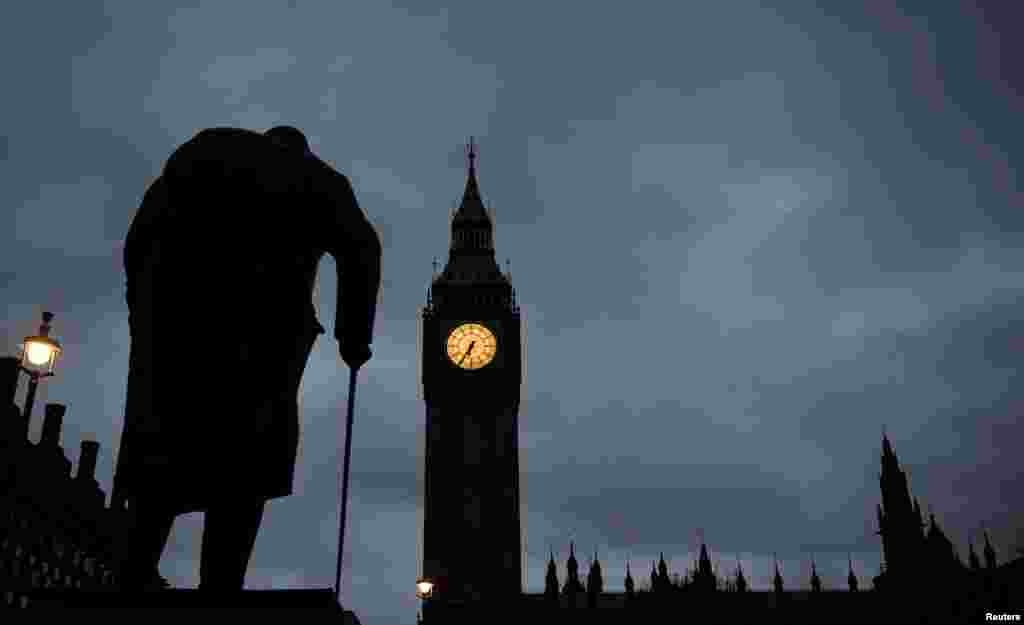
[344,477]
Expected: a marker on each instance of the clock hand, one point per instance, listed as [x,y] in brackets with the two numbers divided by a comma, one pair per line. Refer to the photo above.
[471,344]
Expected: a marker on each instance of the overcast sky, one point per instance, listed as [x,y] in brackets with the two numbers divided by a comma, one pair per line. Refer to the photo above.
[744,238]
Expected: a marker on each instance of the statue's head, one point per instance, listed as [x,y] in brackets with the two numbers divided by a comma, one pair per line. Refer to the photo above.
[291,138]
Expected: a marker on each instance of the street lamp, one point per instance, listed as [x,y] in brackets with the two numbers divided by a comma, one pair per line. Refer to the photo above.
[424,588]
[38,357]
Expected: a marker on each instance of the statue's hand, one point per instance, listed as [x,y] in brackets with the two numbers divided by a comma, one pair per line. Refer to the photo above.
[356,355]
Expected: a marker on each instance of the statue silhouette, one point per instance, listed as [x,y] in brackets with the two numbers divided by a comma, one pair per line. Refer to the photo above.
[221,260]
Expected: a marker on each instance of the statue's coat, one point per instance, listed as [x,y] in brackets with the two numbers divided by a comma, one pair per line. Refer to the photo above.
[220,261]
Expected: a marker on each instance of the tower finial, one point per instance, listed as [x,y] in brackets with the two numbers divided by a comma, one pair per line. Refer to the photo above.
[886,445]
[472,156]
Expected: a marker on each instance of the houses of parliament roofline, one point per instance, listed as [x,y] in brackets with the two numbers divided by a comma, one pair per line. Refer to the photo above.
[56,530]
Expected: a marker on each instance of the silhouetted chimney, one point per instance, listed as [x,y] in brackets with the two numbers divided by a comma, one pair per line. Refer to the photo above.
[87,460]
[9,371]
[12,427]
[52,423]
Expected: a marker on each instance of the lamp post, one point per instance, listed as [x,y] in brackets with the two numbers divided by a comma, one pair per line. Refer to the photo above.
[424,589]
[38,357]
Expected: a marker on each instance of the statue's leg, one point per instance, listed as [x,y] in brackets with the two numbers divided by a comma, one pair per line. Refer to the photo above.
[151,527]
[229,534]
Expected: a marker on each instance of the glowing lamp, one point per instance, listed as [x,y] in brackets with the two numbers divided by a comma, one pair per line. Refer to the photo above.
[39,354]
[424,588]
[38,357]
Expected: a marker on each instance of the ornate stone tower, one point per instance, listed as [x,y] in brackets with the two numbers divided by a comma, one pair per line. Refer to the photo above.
[471,374]
[900,524]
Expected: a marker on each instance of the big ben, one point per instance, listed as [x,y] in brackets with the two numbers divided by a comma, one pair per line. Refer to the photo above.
[471,375]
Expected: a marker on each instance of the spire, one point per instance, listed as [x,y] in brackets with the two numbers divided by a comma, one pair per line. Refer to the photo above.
[851,579]
[777,581]
[990,554]
[595,582]
[551,580]
[704,555]
[704,576]
[741,581]
[471,253]
[472,206]
[940,546]
[933,529]
[815,580]
[972,557]
[572,578]
[654,577]
[629,582]
[890,464]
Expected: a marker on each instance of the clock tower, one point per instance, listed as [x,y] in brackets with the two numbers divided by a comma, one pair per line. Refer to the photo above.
[471,375]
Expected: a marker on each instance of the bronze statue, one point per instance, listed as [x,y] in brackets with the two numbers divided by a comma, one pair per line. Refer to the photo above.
[221,260]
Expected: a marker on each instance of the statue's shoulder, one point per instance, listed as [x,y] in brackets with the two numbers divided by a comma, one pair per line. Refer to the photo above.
[220,142]
[218,138]
[225,137]
[222,132]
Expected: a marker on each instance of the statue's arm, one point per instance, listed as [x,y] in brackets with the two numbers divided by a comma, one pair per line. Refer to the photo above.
[356,248]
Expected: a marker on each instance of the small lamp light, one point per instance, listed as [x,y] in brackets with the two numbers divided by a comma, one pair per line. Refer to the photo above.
[39,353]
[38,356]
[424,588]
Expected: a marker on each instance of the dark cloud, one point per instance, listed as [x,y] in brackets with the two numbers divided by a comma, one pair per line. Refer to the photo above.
[744,240]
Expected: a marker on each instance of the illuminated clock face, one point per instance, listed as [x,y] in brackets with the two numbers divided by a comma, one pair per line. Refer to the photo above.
[471,346]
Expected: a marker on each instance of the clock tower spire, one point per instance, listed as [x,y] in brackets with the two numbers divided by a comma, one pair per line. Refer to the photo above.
[471,376]
[471,251]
